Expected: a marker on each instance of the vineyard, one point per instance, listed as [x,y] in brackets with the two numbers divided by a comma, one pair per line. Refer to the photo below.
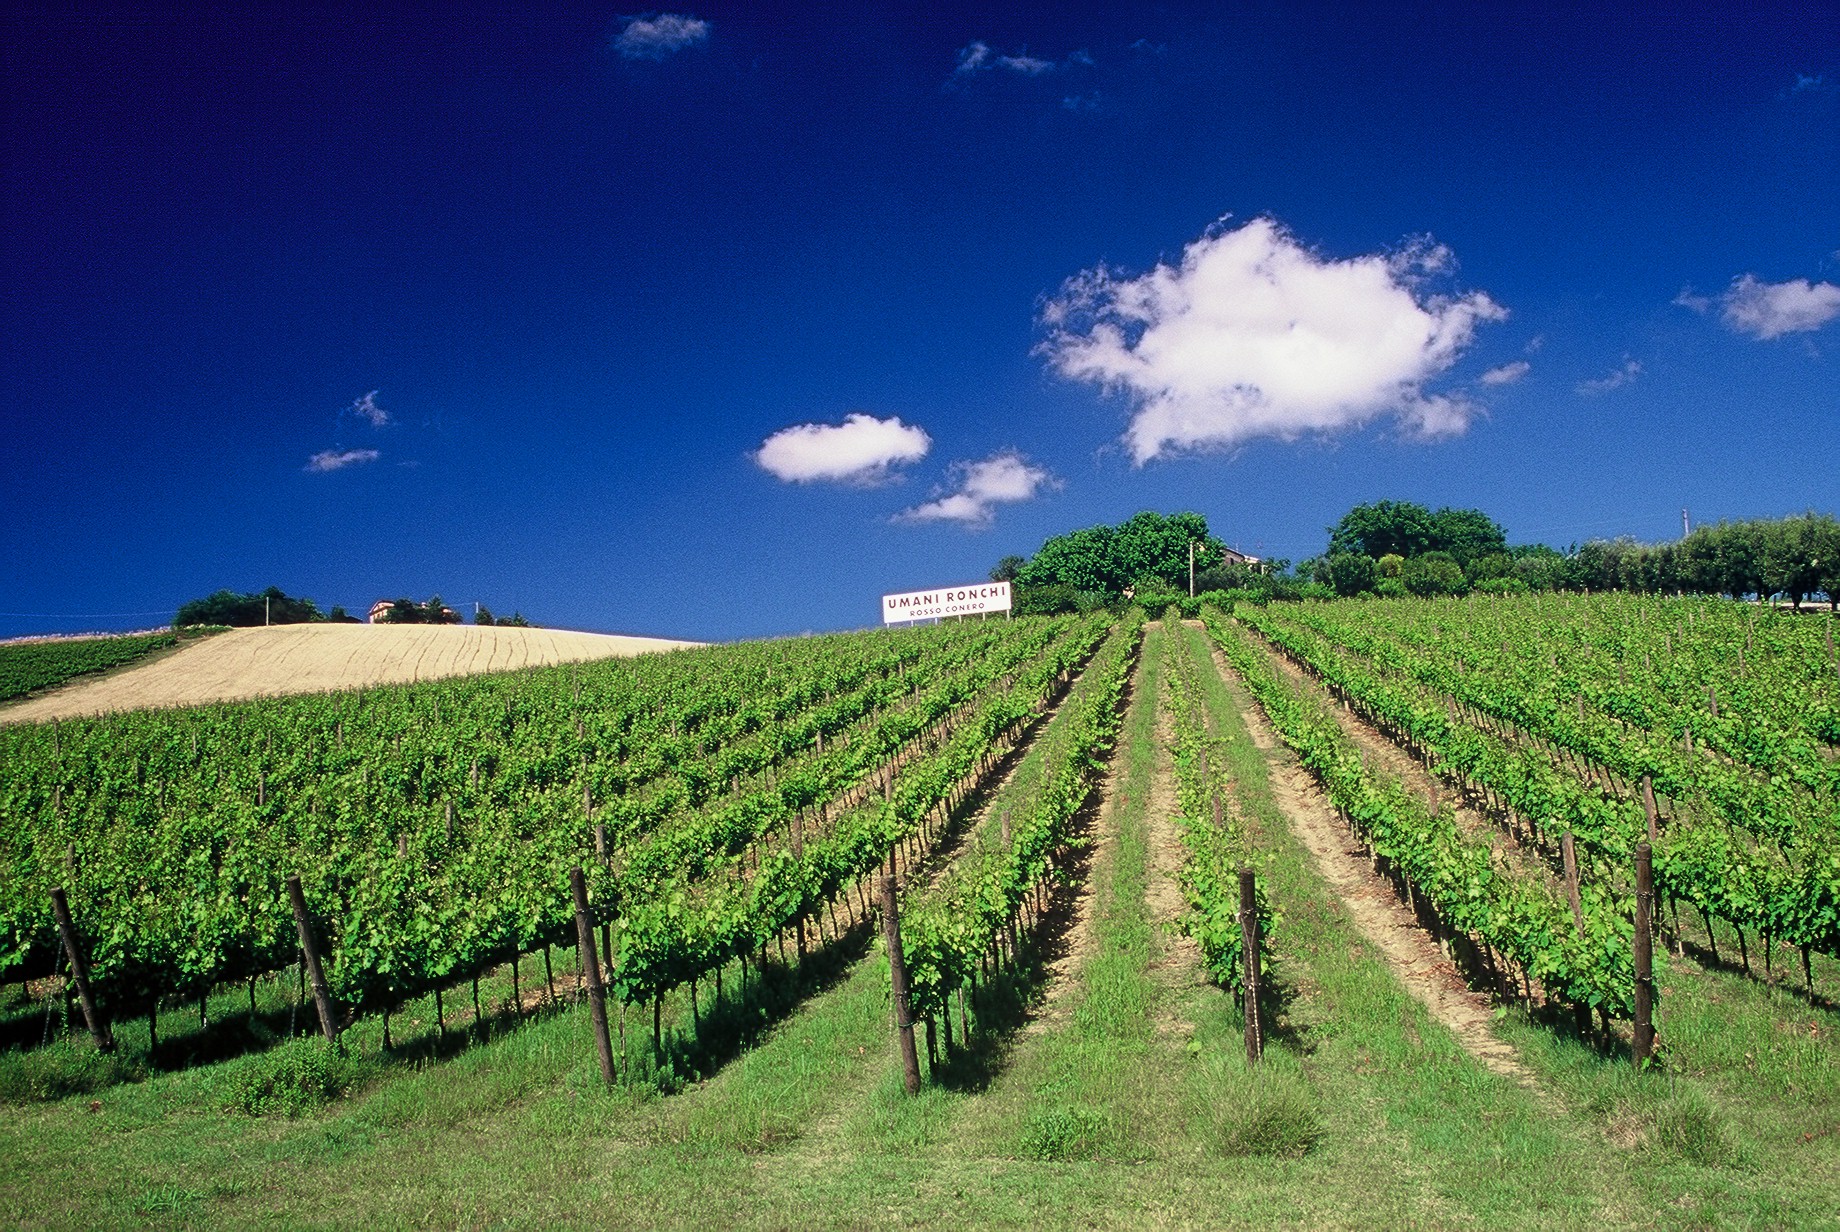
[1599,725]
[30,666]
[1061,853]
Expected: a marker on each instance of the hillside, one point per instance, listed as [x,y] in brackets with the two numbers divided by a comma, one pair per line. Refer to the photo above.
[315,658]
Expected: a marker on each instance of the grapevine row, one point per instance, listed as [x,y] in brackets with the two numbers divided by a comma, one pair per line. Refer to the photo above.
[1213,835]
[949,928]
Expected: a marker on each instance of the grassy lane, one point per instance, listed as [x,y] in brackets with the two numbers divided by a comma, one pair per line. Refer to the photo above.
[1079,1084]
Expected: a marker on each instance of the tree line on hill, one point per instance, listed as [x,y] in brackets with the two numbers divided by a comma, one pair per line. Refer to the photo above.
[276,607]
[1399,548]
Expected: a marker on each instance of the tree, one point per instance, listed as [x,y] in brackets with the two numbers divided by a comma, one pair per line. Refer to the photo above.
[436,612]
[339,616]
[1738,553]
[1539,566]
[1007,569]
[482,615]
[1147,548]
[1434,573]
[1399,528]
[1407,529]
[227,607]
[1792,552]
[1489,566]
[1466,534]
[1350,573]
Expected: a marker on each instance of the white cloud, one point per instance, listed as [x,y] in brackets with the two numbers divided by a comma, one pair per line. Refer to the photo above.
[1254,335]
[1689,298]
[1507,374]
[1766,310]
[338,459]
[657,35]
[1630,370]
[978,56]
[1002,478]
[862,449]
[366,408]
[1804,81]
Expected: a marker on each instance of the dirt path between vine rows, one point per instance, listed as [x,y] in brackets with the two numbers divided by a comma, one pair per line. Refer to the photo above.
[1371,904]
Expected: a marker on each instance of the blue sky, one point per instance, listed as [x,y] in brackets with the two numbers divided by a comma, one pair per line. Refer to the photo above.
[719,322]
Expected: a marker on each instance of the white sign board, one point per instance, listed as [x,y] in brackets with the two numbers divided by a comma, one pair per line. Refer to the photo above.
[945,601]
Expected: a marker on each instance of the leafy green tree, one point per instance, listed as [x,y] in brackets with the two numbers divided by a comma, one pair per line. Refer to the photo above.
[436,612]
[1391,565]
[228,607]
[1434,573]
[1350,573]
[1007,569]
[1466,534]
[482,615]
[1792,553]
[1399,528]
[1539,566]
[1739,556]
[1147,548]
[1489,566]
[1408,529]
[403,611]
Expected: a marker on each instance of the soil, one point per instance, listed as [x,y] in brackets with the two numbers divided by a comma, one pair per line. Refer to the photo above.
[317,658]
[1415,959]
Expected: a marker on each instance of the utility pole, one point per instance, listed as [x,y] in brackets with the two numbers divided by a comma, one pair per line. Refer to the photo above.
[1686,527]
[1191,568]
[265,610]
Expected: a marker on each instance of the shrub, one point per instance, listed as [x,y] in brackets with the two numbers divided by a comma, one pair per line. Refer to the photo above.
[1066,1133]
[295,1078]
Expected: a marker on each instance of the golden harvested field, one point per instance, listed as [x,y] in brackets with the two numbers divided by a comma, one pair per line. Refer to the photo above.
[317,658]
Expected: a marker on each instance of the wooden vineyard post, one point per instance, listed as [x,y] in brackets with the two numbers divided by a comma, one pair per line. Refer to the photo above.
[1569,853]
[1649,809]
[591,968]
[897,973]
[600,848]
[322,997]
[1249,961]
[1644,1046]
[79,971]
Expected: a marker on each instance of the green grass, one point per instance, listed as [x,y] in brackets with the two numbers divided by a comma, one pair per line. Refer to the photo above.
[1127,1104]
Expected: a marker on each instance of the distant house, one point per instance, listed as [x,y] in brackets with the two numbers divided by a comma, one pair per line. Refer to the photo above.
[380,609]
[1229,557]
